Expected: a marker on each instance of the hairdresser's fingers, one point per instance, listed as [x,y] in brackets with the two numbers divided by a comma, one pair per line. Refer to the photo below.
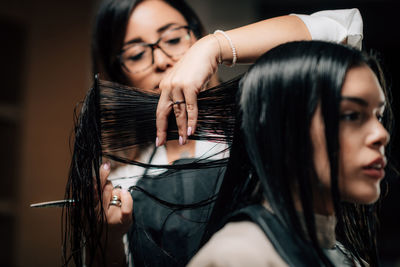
[113,211]
[164,107]
[105,185]
[107,191]
[126,207]
[104,172]
[191,109]
[115,196]
[119,213]
[179,107]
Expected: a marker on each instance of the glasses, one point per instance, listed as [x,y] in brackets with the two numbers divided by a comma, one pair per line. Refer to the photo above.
[140,56]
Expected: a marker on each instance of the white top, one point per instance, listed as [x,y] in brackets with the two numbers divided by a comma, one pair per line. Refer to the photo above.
[335,26]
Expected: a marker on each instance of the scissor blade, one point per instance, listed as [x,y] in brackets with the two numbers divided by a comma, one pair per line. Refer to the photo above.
[54,203]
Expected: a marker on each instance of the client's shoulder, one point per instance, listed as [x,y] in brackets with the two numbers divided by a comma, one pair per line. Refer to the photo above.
[238,244]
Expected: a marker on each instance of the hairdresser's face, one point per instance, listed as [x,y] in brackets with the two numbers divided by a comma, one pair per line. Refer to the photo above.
[150,20]
[362,139]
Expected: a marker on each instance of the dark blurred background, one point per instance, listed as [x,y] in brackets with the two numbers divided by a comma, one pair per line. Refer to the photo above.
[45,71]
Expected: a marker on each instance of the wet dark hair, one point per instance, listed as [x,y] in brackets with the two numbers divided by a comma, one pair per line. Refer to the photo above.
[109,32]
[278,99]
[107,124]
[296,76]
[83,223]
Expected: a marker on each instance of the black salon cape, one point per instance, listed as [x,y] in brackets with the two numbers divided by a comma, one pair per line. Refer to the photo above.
[160,236]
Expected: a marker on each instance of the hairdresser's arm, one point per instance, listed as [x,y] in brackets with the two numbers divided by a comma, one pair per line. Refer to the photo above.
[119,220]
[192,71]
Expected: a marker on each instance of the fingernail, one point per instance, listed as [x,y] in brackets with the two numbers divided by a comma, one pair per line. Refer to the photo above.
[106,166]
[180,140]
[189,131]
[157,142]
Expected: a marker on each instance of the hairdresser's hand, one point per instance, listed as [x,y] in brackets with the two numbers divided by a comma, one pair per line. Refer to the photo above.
[183,83]
[119,219]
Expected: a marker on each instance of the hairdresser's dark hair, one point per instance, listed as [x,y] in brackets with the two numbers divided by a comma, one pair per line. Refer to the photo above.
[279,96]
[109,31]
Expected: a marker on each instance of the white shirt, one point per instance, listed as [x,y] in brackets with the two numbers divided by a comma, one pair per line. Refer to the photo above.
[335,26]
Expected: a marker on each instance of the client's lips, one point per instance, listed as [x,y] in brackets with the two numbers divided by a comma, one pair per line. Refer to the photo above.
[376,169]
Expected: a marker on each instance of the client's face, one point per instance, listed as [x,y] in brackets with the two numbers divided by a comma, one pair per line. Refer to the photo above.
[153,21]
[362,139]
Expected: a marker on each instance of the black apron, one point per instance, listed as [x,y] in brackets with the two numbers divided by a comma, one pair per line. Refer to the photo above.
[161,236]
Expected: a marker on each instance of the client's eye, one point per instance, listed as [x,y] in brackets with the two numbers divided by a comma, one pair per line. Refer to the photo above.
[350,116]
[379,117]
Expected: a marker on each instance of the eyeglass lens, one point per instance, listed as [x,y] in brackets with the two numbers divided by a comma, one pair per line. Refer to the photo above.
[173,43]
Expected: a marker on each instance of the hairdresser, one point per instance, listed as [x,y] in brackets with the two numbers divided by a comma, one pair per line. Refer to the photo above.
[161,46]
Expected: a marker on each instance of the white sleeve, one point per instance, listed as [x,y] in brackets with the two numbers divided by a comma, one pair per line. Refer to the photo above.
[335,26]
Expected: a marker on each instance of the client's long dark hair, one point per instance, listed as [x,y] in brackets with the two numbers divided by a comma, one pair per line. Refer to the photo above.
[278,99]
